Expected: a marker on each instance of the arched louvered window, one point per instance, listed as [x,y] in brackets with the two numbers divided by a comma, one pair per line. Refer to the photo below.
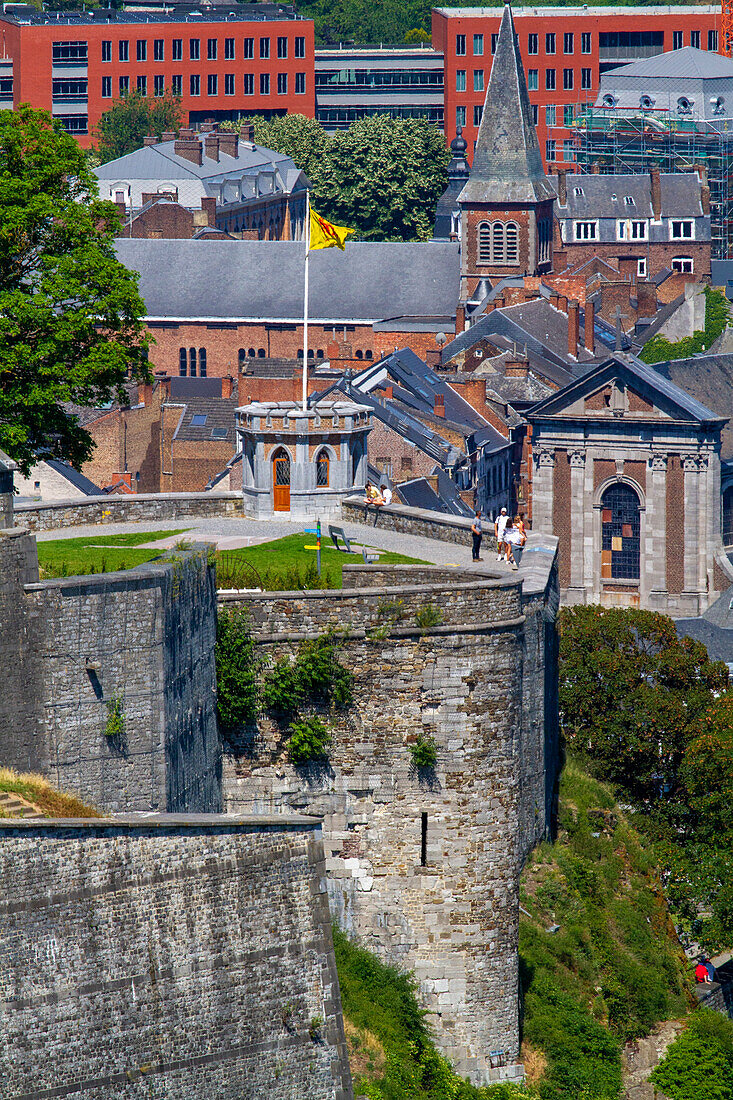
[182,362]
[484,243]
[192,362]
[498,255]
[202,362]
[512,243]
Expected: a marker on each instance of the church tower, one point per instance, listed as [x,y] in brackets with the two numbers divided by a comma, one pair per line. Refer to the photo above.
[507,203]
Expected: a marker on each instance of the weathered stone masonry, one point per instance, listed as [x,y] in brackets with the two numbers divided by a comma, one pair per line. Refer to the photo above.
[187,958]
[70,647]
[477,684]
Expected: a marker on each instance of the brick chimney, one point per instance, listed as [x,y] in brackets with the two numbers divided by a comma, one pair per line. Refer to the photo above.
[229,143]
[389,391]
[247,131]
[646,297]
[628,267]
[211,146]
[517,367]
[208,127]
[439,405]
[589,335]
[573,328]
[145,394]
[656,186]
[562,303]
[168,135]
[227,387]
[209,208]
[562,186]
[150,139]
[189,149]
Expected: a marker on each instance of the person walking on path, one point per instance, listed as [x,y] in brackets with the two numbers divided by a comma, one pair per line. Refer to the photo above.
[511,538]
[499,528]
[477,535]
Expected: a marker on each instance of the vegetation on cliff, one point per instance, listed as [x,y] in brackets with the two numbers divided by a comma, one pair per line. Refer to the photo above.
[37,790]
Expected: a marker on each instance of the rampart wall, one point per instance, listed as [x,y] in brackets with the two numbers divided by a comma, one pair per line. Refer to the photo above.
[180,958]
[477,683]
[416,521]
[126,509]
[74,648]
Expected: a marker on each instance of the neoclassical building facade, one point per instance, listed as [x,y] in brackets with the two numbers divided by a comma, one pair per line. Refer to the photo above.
[626,472]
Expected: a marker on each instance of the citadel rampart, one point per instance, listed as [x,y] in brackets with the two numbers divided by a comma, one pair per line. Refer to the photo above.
[126,509]
[424,865]
[188,958]
[73,649]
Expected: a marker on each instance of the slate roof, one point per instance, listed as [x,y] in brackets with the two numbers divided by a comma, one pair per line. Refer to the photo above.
[160,161]
[681,196]
[419,493]
[263,280]
[202,397]
[74,477]
[457,176]
[717,640]
[687,62]
[708,379]
[507,165]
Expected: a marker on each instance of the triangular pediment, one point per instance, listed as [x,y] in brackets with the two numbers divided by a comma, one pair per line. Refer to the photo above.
[622,389]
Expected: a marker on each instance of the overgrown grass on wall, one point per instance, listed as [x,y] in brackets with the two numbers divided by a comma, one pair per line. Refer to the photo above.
[717,317]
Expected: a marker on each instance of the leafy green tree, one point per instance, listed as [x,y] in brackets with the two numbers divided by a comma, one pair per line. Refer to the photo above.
[633,695]
[122,128]
[707,773]
[70,313]
[236,668]
[699,1065]
[303,139]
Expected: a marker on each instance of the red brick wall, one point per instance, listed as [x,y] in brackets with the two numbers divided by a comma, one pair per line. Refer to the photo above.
[603,468]
[675,518]
[561,517]
[194,463]
[659,255]
[382,442]
[637,403]
[597,401]
[471,269]
[637,471]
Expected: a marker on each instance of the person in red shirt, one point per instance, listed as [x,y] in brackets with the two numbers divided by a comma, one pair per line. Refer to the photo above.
[702,972]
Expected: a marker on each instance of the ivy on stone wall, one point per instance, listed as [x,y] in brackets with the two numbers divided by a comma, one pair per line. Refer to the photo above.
[236,668]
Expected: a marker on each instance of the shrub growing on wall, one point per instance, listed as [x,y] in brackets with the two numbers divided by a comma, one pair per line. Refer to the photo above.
[236,668]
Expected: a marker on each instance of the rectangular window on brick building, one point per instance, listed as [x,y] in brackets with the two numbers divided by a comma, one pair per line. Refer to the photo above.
[550,80]
[494,40]
[194,49]
[282,83]
[549,151]
[550,42]
[586,79]
[229,48]
[300,46]
[477,114]
[124,85]
[123,50]
[568,42]
[159,84]
[212,49]
[695,39]
[248,47]
[478,45]
[533,79]
[106,87]
[264,48]
[585,46]
[106,51]
[478,80]
[550,116]
[460,45]
[177,49]
[142,85]
[282,46]
[194,84]
[229,84]
[535,114]
[141,49]
[249,84]
[460,80]
[678,40]
[300,83]
[567,114]
[568,150]
[460,116]
[158,49]
[177,84]
[264,83]
[212,84]
[567,79]
[533,43]
[713,41]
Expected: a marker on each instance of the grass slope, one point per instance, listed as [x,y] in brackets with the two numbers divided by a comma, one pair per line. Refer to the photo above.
[36,789]
[97,553]
[612,967]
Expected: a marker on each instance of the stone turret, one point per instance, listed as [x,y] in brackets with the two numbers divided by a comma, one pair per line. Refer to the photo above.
[506,205]
[7,466]
[448,212]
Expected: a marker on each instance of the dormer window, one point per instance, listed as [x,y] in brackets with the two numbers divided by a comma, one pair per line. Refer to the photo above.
[578,191]
[629,200]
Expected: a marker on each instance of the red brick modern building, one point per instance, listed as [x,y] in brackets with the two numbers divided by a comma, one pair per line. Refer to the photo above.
[224,66]
[564,51]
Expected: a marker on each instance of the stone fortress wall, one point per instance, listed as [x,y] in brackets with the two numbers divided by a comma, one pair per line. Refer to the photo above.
[188,958]
[72,647]
[479,683]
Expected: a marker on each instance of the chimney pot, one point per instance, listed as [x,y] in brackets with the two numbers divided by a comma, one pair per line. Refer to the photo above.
[439,405]
[150,139]
[589,333]
[573,328]
[168,135]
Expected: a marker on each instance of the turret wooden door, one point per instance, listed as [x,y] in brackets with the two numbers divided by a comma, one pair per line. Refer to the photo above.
[281,481]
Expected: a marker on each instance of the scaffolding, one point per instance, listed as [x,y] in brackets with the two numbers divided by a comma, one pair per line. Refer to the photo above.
[614,140]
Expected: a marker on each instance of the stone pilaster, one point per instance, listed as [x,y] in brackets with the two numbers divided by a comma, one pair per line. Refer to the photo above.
[577,517]
[655,566]
[691,533]
[543,490]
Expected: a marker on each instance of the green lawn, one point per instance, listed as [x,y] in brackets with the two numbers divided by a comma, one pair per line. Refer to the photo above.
[97,553]
[285,564]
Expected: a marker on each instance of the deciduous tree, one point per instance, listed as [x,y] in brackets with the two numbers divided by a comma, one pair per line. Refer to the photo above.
[70,313]
[122,128]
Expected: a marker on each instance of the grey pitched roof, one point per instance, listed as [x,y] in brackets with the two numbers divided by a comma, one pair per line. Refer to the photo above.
[632,368]
[687,62]
[709,379]
[263,280]
[160,161]
[219,419]
[717,640]
[507,165]
[604,196]
[420,493]
[74,477]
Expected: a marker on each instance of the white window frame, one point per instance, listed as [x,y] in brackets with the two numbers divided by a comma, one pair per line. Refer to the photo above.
[585,231]
[684,264]
[641,268]
[681,222]
[639,230]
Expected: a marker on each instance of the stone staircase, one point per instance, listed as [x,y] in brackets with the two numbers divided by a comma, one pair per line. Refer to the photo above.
[14,805]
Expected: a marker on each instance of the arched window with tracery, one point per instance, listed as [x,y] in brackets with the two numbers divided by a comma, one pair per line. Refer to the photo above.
[621,533]
[484,243]
[512,243]
[322,470]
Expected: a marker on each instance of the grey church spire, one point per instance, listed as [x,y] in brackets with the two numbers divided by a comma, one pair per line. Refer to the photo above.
[507,165]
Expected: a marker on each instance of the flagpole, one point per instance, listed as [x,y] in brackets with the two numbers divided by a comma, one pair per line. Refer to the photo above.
[305,298]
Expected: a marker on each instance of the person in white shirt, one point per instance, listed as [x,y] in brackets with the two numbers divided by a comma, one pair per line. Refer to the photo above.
[386,494]
[499,528]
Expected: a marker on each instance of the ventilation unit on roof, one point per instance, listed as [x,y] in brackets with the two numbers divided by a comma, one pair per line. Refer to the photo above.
[646,102]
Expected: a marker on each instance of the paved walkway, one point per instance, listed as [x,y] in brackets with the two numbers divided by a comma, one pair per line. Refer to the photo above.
[231,533]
